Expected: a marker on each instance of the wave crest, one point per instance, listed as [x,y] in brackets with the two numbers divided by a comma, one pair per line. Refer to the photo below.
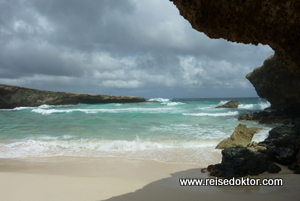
[230,113]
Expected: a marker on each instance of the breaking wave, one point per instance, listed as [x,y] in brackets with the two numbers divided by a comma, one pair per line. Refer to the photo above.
[230,113]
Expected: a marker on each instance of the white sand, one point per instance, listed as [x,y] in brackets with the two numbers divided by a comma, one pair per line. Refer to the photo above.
[116,179]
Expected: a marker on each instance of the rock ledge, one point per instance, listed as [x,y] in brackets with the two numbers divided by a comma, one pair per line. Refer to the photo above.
[14,96]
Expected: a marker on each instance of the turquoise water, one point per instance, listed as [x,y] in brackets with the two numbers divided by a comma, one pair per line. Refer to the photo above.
[171,130]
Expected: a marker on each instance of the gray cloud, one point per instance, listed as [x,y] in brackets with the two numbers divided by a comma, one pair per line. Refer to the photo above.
[135,47]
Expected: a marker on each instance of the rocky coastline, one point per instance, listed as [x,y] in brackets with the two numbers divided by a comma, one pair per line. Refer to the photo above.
[282,146]
[275,23]
[241,157]
[14,96]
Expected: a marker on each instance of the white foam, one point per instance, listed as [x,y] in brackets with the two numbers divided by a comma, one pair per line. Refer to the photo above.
[50,111]
[207,107]
[44,106]
[174,103]
[222,102]
[166,101]
[160,99]
[246,106]
[261,135]
[230,113]
[258,106]
[93,111]
[264,105]
[168,150]
[49,138]
[23,108]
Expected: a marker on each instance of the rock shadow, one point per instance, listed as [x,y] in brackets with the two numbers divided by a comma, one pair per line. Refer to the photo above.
[169,189]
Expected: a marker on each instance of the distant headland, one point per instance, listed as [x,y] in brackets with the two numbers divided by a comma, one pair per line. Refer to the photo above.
[15,96]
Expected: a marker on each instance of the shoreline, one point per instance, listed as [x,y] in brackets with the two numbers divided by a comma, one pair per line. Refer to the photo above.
[119,179]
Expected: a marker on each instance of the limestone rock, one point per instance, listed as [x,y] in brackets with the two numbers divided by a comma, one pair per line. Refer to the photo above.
[14,96]
[230,104]
[254,146]
[240,136]
[278,85]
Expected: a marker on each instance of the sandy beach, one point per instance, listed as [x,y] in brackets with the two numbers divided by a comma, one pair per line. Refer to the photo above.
[118,179]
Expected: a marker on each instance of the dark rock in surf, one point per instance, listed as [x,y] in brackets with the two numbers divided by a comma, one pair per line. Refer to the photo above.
[230,104]
[265,117]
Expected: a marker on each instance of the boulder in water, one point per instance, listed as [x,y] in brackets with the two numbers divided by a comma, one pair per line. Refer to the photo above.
[230,104]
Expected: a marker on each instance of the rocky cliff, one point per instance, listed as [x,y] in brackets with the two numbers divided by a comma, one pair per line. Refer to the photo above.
[272,22]
[278,85]
[14,96]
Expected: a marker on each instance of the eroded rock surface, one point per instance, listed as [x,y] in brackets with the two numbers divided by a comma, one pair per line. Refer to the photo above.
[240,136]
[278,85]
[283,143]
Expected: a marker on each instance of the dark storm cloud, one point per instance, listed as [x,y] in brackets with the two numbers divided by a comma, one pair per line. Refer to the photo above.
[115,44]
[86,24]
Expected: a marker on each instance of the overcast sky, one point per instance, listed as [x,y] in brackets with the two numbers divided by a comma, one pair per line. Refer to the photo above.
[119,47]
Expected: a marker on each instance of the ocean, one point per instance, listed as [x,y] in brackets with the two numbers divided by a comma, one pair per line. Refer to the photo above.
[165,130]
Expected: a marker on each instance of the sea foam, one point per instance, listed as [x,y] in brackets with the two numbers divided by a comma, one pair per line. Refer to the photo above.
[230,113]
[138,149]
[166,101]
[93,111]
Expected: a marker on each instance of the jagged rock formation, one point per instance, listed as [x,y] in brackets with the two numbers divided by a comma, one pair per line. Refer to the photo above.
[239,161]
[282,146]
[14,96]
[240,136]
[272,22]
[283,143]
[230,104]
[278,85]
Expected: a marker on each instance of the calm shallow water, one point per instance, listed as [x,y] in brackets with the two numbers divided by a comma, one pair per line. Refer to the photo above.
[171,130]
